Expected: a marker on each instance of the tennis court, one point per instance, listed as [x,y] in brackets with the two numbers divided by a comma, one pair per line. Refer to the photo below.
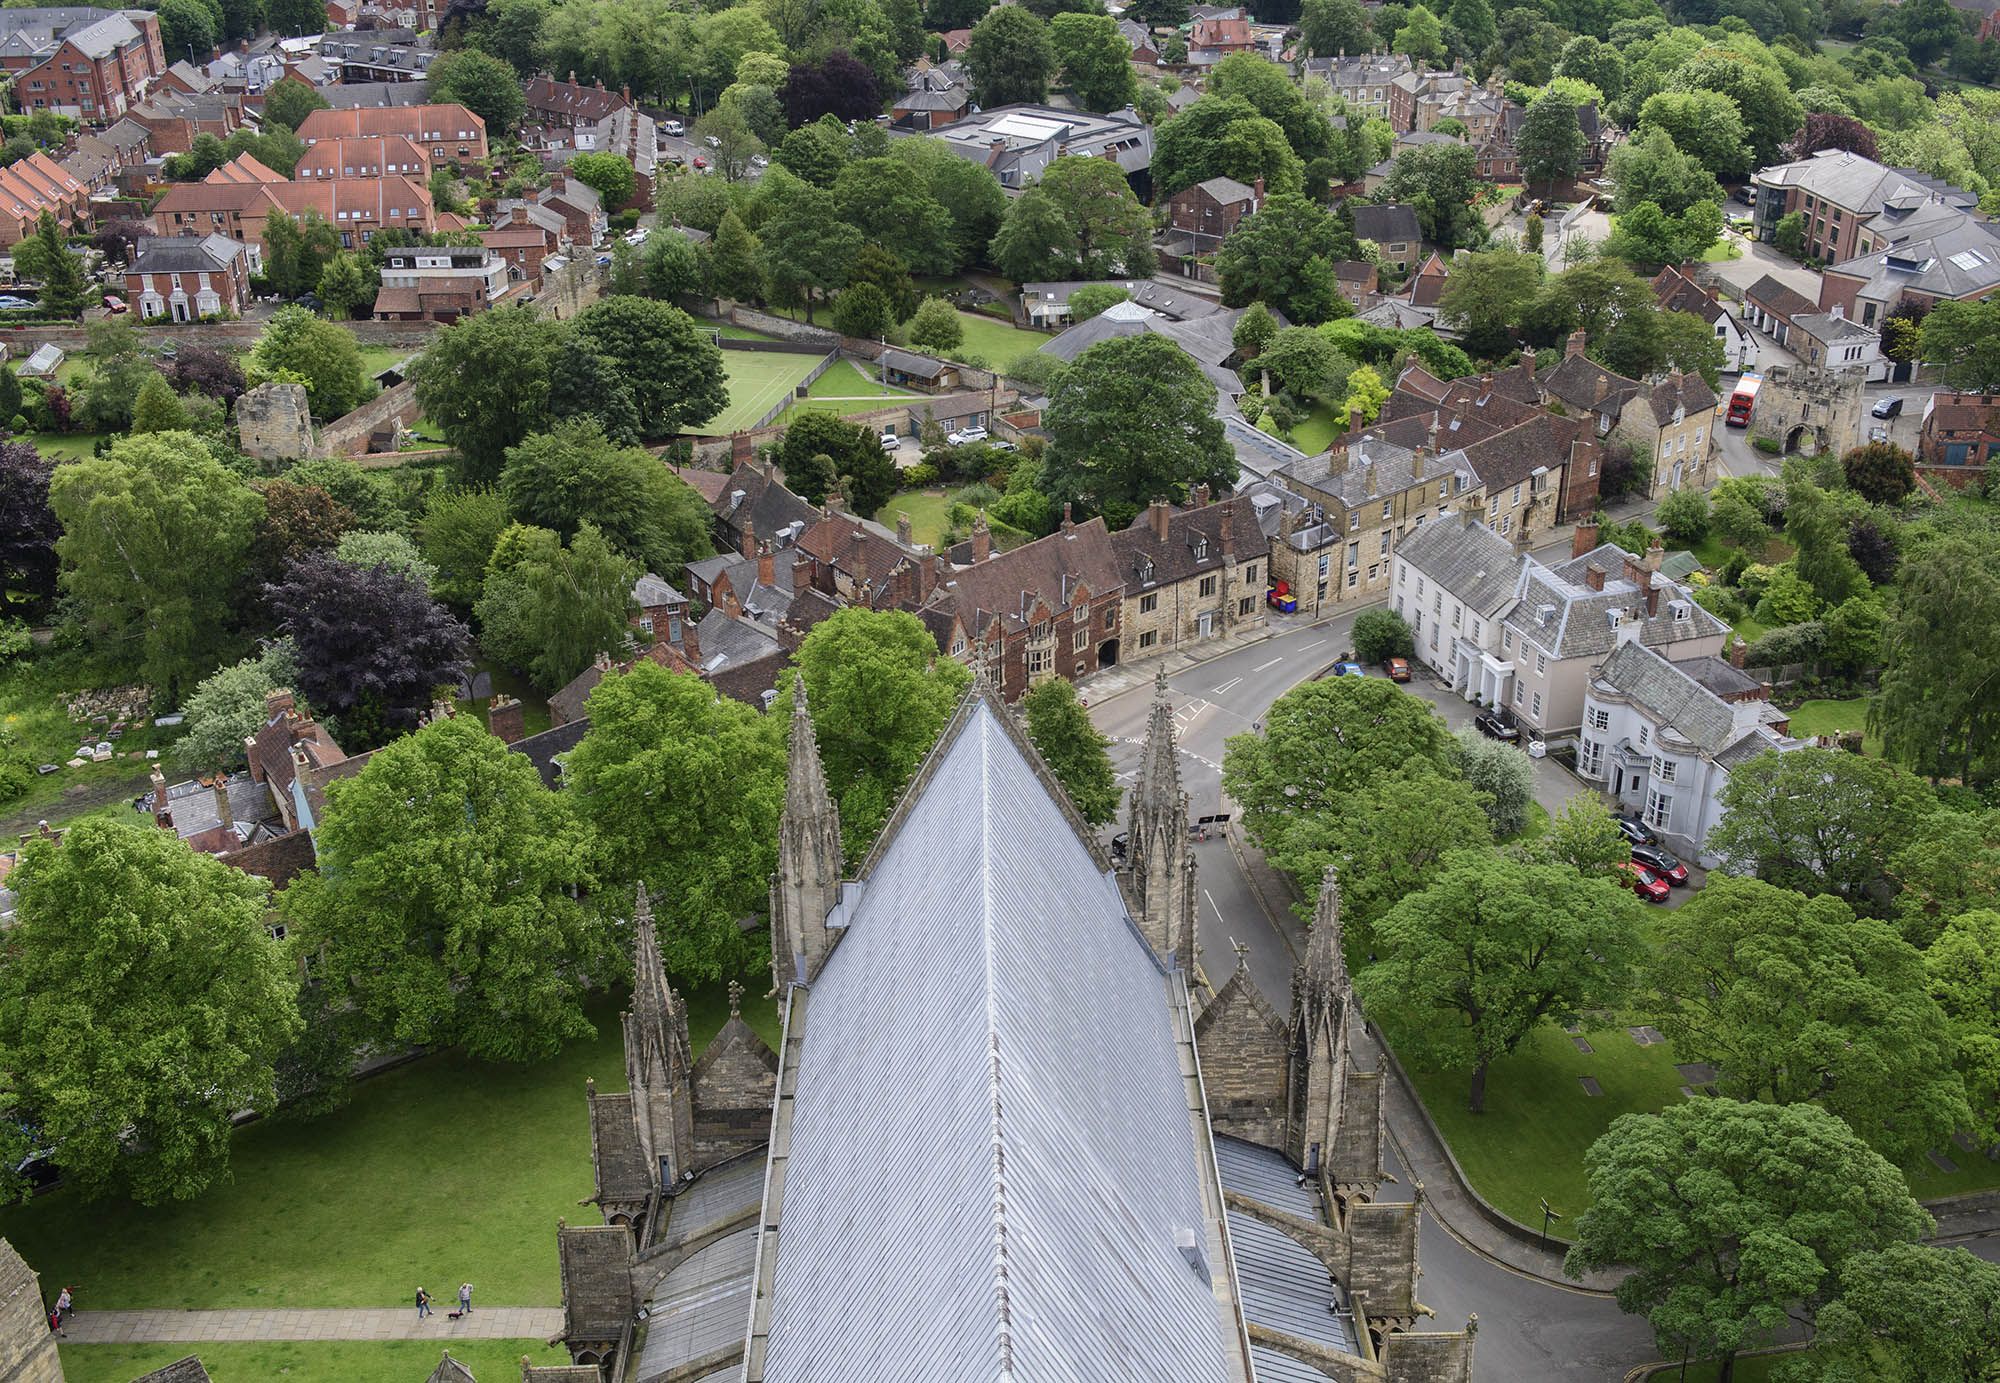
[758,382]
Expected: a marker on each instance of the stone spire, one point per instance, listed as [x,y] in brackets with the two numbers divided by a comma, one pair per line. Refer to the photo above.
[808,881]
[659,1060]
[1162,866]
[1318,1069]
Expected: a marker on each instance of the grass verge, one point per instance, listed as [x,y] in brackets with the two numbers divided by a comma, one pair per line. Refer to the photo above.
[307,1361]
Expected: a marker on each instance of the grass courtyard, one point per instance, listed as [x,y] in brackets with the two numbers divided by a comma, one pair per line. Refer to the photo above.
[1312,436]
[314,1361]
[1833,718]
[444,1170]
[758,382]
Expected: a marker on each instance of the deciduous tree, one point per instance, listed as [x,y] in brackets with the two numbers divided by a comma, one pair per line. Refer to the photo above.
[227,707]
[489,88]
[890,203]
[1010,58]
[459,530]
[610,174]
[675,368]
[1500,773]
[1094,59]
[1335,26]
[1652,169]
[1550,143]
[838,85]
[683,788]
[1938,711]
[1387,840]
[935,328]
[290,100]
[1223,136]
[445,901]
[1074,749]
[550,609]
[1909,1313]
[1795,998]
[573,475]
[1492,948]
[1283,255]
[1730,1214]
[323,354]
[28,530]
[142,1003]
[1439,182]
[1965,339]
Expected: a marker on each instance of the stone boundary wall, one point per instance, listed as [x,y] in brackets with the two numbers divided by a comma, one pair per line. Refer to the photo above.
[22,341]
[784,328]
[348,436]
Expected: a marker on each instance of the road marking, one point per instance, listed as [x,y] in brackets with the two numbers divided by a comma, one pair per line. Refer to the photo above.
[1261,666]
[1304,647]
[1227,685]
[1213,908]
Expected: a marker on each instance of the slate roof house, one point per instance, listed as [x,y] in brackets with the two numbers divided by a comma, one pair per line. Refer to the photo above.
[1678,292]
[1394,229]
[89,64]
[186,279]
[1191,573]
[1209,211]
[1010,1102]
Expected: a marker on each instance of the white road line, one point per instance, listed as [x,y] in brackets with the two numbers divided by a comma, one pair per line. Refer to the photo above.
[1314,644]
[1273,663]
[1227,685]
[1217,911]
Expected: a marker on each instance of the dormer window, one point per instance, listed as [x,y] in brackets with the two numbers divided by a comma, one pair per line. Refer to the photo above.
[1200,549]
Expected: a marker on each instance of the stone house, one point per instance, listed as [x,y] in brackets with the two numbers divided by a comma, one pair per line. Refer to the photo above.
[1357,280]
[1369,496]
[1567,617]
[1050,608]
[1208,212]
[1191,573]
[1678,292]
[755,505]
[1362,80]
[1453,582]
[27,1345]
[1834,339]
[1662,737]
[1394,229]
[1670,419]
[185,279]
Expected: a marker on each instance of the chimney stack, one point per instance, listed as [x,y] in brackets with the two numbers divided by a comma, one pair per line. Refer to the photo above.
[1593,577]
[1655,555]
[1068,522]
[748,546]
[1156,518]
[767,564]
[982,538]
[1586,538]
[1578,339]
[903,528]
[1739,651]
[1528,360]
[506,718]
[1650,582]
[223,815]
[1198,496]
[1256,193]
[161,812]
[802,570]
[277,703]
[1356,420]
[690,642]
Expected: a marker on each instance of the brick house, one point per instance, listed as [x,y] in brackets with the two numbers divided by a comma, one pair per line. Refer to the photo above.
[93,65]
[446,132]
[1838,192]
[185,278]
[522,244]
[439,283]
[1960,436]
[33,185]
[1050,608]
[172,120]
[1210,211]
[567,104]
[1394,229]
[1678,291]
[370,156]
[1191,573]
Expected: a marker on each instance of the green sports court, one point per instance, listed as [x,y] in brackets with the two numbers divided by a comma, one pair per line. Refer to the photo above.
[758,382]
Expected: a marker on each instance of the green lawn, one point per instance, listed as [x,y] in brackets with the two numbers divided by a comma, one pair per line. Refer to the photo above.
[315,1361]
[375,359]
[1530,1141]
[926,509]
[1830,717]
[445,1170]
[736,333]
[997,343]
[64,446]
[1315,434]
[1721,251]
[35,720]
[757,381]
[845,389]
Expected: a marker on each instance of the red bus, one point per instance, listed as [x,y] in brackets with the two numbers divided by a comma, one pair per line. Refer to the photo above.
[1743,400]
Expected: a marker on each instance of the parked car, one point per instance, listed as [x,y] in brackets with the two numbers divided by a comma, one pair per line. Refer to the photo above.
[1891,407]
[1662,863]
[1349,669]
[638,235]
[1001,445]
[1645,882]
[890,441]
[10,303]
[1494,728]
[1280,598]
[1397,668]
[114,304]
[964,435]
[700,163]
[712,142]
[1635,830]
[759,161]
[672,127]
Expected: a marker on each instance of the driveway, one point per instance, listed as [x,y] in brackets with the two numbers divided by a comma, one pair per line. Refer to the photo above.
[1759,259]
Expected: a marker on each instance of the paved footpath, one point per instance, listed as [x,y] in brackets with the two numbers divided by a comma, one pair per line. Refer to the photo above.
[398,1323]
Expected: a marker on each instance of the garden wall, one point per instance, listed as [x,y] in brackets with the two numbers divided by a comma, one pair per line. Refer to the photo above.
[22,341]
[348,436]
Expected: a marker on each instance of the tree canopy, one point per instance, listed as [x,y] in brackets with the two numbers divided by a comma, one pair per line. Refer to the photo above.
[1076,752]
[574,474]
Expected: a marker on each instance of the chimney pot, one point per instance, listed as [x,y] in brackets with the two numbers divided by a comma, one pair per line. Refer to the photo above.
[1068,522]
[1738,651]
[1586,538]
[767,564]
[1578,339]
[506,718]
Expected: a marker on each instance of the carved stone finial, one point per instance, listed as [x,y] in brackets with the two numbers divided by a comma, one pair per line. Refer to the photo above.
[735,999]
[1472,1324]
[1242,950]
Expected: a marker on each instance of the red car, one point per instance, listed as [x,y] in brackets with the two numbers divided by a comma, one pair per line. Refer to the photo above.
[1397,668]
[1658,861]
[1645,882]
[700,162]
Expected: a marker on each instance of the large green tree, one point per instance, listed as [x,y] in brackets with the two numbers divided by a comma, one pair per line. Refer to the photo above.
[1283,255]
[457,536]
[1335,26]
[1820,821]
[227,707]
[1133,419]
[1010,58]
[1551,142]
[1486,295]
[1273,94]
[1794,998]
[1706,126]
[1388,841]
[155,537]
[573,475]
[1080,222]
[1094,59]
[1910,1313]
[1223,136]
[891,204]
[1651,169]
[1076,752]
[323,353]
[484,85]
[484,381]
[966,188]
[1951,867]
[1964,338]
[879,694]
[804,250]
[1939,707]
[1964,970]
[1439,182]
[445,902]
[675,368]
[683,787]
[1490,950]
[548,608]
[142,1004]
[1730,1215]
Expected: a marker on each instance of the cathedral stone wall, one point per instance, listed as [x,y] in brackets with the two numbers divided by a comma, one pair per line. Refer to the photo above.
[274,423]
[27,1349]
[735,1082]
[1243,1057]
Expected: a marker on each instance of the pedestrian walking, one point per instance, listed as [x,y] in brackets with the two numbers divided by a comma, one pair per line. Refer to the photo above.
[423,1303]
[65,1305]
[465,1298]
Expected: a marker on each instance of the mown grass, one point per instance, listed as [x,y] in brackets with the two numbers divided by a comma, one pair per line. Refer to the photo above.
[308,1361]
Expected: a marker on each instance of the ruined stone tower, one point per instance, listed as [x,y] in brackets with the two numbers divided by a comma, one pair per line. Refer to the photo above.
[808,881]
[1161,864]
[659,1063]
[27,1349]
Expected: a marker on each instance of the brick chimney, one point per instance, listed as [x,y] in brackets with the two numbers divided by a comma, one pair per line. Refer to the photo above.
[982,538]
[802,570]
[1068,521]
[1586,538]
[767,564]
[1356,420]
[223,816]
[161,812]
[1655,554]
[1578,339]
[903,529]
[748,544]
[1634,571]
[1739,651]
[507,718]
[690,642]
[1528,360]
[1593,577]
[1157,513]
[277,702]
[1256,193]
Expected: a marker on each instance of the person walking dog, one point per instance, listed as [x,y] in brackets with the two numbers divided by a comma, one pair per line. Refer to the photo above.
[423,1303]
[465,1298]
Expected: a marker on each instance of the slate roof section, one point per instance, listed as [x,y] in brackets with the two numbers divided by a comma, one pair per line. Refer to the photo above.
[914,365]
[1258,453]
[958,1201]
[1938,250]
[1669,696]
[1007,585]
[1778,298]
[1206,338]
[1146,560]
[1467,558]
[1859,183]
[1390,224]
[1689,393]
[1580,624]
[543,750]
[1582,383]
[1284,1286]
[165,254]
[650,590]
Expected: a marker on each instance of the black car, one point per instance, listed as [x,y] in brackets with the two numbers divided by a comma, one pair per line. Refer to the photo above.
[1635,830]
[1888,408]
[1494,728]
[1662,863]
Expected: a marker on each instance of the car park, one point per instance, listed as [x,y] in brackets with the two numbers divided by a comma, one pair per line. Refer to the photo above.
[1493,727]
[1891,407]
[1635,830]
[964,435]
[1397,668]
[1662,863]
[1645,882]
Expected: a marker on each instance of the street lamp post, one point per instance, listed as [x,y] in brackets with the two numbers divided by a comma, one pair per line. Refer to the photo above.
[1547,1215]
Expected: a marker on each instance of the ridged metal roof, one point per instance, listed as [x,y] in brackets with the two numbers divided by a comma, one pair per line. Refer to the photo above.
[991,1147]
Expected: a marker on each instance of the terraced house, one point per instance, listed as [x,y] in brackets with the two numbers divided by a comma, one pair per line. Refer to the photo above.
[91,64]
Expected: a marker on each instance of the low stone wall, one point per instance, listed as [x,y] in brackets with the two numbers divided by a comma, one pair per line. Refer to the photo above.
[784,328]
[22,341]
[348,436]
